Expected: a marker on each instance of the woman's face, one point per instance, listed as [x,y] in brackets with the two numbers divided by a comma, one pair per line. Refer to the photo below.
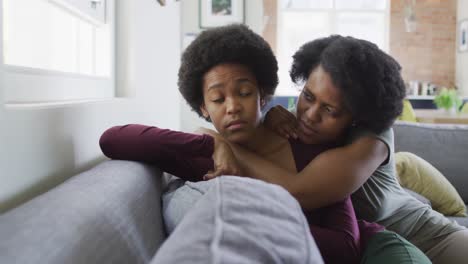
[231,99]
[321,111]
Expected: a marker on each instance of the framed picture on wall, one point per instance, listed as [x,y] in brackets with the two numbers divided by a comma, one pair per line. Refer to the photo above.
[214,13]
[463,36]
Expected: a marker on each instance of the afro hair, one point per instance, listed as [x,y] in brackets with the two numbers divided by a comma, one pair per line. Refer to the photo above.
[369,79]
[234,43]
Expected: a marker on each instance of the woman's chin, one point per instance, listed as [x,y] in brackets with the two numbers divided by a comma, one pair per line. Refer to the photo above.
[238,138]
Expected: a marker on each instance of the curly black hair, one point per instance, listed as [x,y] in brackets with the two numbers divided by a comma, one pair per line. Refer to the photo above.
[369,79]
[234,43]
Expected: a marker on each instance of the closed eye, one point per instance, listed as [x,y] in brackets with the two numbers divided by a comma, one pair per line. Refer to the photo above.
[218,101]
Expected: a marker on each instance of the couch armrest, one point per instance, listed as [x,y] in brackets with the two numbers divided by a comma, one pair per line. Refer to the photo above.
[108,214]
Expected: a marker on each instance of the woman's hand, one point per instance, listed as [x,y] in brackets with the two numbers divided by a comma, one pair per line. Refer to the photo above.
[225,163]
[283,122]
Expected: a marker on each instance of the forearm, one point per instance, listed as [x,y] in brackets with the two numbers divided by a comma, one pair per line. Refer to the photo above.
[182,154]
[337,173]
[312,192]
[329,178]
[149,142]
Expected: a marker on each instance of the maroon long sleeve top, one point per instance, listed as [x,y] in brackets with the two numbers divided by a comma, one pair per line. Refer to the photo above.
[336,230]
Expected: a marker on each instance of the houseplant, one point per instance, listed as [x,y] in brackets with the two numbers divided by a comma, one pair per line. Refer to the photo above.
[448,99]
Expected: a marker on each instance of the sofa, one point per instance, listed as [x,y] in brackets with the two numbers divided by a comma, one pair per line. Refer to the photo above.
[108,214]
[112,212]
[445,146]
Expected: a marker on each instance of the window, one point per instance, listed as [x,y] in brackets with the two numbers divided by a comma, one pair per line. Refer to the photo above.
[56,50]
[301,21]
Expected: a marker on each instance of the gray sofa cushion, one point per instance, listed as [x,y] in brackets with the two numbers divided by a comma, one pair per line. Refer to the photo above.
[444,146]
[241,220]
[109,214]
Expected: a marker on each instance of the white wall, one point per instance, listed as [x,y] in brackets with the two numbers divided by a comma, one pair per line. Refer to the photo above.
[190,24]
[41,147]
[461,58]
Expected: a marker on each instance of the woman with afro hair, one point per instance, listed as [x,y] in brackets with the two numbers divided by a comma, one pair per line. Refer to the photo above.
[227,75]
[344,76]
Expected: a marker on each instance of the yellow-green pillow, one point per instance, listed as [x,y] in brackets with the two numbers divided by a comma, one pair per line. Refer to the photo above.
[408,112]
[420,176]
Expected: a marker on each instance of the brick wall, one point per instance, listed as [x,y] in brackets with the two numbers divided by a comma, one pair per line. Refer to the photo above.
[429,53]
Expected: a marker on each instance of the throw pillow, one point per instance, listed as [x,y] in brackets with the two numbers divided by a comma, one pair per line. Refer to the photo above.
[241,220]
[420,176]
[408,112]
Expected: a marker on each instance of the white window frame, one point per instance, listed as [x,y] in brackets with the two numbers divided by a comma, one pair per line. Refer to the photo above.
[332,21]
[31,86]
